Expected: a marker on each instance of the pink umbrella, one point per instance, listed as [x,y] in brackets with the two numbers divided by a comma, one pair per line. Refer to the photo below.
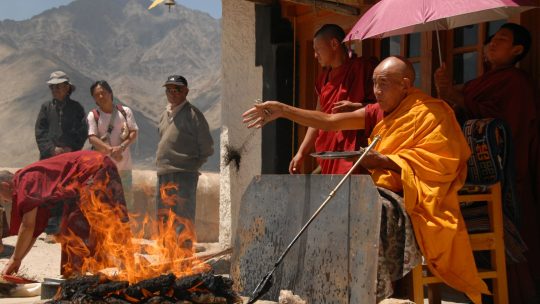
[398,17]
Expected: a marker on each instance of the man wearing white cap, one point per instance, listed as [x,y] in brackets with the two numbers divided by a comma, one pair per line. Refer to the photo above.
[60,127]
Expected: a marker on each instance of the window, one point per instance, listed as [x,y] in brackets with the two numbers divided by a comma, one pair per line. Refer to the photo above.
[411,48]
[466,50]
[390,46]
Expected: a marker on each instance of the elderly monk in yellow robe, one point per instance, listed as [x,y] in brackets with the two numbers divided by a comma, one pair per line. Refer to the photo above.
[422,153]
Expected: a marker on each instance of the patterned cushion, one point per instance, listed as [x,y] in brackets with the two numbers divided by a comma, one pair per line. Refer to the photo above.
[487,139]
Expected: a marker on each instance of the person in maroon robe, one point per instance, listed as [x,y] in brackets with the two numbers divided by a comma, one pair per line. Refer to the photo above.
[35,189]
[507,93]
[344,85]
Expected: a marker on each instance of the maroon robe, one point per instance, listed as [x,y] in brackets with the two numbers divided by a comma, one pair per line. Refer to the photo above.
[60,178]
[351,81]
[374,114]
[508,94]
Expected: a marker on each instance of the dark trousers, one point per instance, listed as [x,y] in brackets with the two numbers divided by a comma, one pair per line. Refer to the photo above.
[177,192]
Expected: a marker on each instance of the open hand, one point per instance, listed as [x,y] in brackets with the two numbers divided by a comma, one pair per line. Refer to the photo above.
[346,106]
[12,266]
[261,114]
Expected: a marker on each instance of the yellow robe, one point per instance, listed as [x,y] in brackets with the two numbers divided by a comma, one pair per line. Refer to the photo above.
[422,136]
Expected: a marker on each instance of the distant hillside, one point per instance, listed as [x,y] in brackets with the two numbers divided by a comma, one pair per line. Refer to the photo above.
[120,41]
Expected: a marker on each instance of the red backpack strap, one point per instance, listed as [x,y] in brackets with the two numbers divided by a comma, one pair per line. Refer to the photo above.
[121,110]
[96,115]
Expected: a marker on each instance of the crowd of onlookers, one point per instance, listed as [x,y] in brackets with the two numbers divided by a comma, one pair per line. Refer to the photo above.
[185,141]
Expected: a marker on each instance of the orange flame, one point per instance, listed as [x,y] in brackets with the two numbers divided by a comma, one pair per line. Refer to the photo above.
[113,246]
[169,200]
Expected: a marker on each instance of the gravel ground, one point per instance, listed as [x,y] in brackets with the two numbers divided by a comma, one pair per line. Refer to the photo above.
[42,261]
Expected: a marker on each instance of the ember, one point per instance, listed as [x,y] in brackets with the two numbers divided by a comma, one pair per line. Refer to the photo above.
[197,288]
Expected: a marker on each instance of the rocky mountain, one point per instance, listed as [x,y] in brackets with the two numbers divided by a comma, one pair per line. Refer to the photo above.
[120,41]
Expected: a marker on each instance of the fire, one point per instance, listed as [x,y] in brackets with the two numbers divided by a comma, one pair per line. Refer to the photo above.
[111,242]
[169,200]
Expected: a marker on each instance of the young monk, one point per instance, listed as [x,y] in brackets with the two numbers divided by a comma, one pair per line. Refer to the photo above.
[507,93]
[423,154]
[35,189]
[345,85]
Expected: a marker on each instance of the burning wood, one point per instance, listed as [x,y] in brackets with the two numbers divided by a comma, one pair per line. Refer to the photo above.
[198,288]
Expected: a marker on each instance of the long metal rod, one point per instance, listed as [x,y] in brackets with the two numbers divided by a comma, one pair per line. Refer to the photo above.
[330,196]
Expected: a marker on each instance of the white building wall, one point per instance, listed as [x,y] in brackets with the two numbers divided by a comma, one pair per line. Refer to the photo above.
[241,85]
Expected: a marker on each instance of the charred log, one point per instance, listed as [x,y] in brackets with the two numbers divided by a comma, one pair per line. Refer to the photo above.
[76,285]
[88,300]
[207,298]
[198,288]
[104,289]
[159,300]
[183,285]
[81,299]
[116,300]
[188,282]
[161,284]
[221,287]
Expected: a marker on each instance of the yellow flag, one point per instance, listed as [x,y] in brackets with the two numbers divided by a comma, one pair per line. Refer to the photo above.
[154,4]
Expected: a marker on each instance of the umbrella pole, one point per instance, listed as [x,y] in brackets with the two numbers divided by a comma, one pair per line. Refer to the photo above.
[439,46]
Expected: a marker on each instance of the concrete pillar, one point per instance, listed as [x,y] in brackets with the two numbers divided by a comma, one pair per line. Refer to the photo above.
[242,84]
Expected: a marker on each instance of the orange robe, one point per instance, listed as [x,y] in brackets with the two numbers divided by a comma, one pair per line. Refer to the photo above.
[423,137]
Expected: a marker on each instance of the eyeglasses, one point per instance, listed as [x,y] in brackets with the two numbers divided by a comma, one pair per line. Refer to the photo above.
[56,86]
[172,90]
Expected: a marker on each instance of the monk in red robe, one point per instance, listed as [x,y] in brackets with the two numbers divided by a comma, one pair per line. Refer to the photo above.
[345,85]
[78,176]
[422,154]
[507,93]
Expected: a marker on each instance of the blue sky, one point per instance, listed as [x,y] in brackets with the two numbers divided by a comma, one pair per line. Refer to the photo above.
[25,9]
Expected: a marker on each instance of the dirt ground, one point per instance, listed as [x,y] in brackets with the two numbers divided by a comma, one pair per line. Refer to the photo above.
[42,261]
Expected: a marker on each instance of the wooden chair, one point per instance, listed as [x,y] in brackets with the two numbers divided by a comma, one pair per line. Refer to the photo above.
[492,241]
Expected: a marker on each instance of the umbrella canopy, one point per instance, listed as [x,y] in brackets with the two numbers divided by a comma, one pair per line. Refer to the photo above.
[398,17]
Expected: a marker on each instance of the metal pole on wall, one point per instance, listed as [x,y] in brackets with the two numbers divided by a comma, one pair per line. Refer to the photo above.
[293,88]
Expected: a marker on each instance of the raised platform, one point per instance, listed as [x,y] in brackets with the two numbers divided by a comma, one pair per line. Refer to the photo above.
[335,261]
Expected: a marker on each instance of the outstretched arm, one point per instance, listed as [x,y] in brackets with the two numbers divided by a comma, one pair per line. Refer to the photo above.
[265,112]
[25,240]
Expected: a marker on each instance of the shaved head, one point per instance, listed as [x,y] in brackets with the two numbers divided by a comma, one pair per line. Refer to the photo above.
[330,31]
[328,46]
[392,79]
[397,66]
